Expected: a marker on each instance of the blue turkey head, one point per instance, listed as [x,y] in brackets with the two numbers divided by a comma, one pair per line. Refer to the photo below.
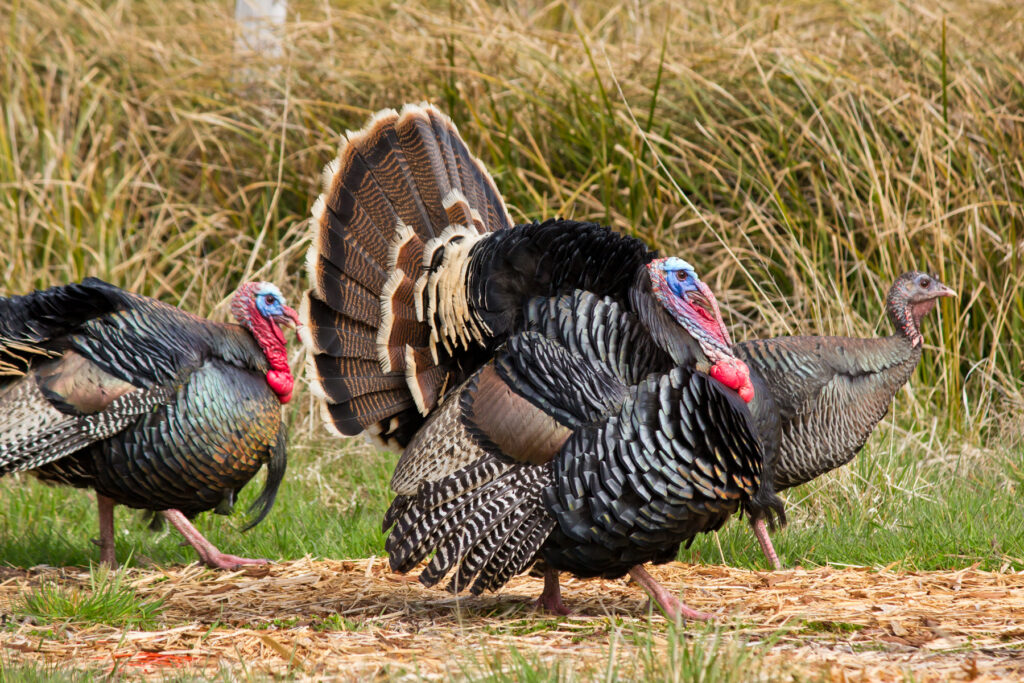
[693,305]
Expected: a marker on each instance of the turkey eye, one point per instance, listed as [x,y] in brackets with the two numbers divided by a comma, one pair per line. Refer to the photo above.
[269,298]
[681,275]
[924,282]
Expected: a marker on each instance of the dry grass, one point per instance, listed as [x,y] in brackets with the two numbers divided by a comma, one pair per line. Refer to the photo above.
[800,154]
[356,620]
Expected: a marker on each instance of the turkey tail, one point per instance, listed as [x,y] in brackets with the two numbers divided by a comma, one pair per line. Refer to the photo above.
[402,205]
[276,467]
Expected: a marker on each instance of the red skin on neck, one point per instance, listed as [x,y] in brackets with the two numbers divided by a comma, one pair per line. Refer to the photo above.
[270,338]
[914,314]
[727,369]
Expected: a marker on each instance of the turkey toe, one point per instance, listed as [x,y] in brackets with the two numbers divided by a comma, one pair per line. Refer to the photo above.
[223,561]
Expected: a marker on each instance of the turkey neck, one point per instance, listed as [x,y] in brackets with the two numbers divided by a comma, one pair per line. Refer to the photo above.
[271,340]
[906,316]
[667,333]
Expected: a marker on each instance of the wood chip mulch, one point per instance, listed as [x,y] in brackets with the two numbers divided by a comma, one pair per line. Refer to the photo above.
[326,620]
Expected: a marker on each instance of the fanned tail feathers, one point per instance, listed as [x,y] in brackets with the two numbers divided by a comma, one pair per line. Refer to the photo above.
[403,204]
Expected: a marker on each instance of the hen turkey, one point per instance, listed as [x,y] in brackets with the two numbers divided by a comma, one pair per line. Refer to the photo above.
[150,406]
[546,381]
[827,394]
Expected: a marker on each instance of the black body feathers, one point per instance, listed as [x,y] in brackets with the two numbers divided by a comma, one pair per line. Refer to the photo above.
[539,416]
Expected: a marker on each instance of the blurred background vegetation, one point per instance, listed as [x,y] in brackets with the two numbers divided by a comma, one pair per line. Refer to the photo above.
[800,154]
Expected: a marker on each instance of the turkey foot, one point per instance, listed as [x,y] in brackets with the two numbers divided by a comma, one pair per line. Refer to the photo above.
[761,531]
[673,607]
[106,514]
[551,597]
[208,552]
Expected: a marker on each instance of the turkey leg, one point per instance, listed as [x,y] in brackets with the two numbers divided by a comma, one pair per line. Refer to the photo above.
[106,510]
[551,597]
[208,552]
[761,531]
[668,602]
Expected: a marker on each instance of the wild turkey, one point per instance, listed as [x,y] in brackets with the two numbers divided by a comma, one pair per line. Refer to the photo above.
[546,453]
[829,393]
[150,406]
[424,295]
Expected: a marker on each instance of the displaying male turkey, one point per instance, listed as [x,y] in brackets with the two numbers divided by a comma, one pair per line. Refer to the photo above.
[152,407]
[421,295]
[564,449]
[829,393]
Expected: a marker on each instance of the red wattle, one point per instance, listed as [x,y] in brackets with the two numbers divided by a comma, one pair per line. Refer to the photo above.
[726,374]
[281,383]
[735,375]
[278,334]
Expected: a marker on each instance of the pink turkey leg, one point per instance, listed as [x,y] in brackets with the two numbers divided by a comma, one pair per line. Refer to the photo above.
[208,552]
[761,531]
[670,603]
[551,597]
[106,510]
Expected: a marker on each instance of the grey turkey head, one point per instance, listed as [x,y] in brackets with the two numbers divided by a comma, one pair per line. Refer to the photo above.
[911,297]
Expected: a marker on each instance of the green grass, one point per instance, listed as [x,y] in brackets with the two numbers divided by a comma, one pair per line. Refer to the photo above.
[330,506]
[512,666]
[710,658]
[670,654]
[895,507]
[882,509]
[107,600]
[13,672]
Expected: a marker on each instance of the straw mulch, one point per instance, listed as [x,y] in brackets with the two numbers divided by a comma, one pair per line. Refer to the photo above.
[848,624]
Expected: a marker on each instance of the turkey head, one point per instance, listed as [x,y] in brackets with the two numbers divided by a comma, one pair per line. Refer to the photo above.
[260,308]
[693,305]
[912,297]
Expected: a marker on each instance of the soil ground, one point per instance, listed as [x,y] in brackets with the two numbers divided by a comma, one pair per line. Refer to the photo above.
[355,619]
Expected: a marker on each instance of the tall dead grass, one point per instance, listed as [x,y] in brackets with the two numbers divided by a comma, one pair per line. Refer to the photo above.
[801,155]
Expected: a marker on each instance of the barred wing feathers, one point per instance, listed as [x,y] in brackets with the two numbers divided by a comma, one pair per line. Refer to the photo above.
[678,459]
[590,474]
[829,394]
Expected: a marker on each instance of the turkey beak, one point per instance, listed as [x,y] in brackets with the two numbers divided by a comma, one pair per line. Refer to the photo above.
[697,298]
[703,299]
[943,290]
[289,319]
